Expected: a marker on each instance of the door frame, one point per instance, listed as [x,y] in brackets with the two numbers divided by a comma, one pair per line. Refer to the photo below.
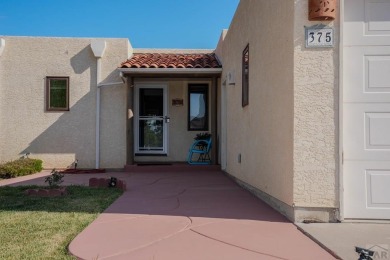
[146,85]
[341,112]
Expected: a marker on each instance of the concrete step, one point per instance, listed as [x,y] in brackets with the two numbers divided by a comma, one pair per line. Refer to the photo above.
[175,167]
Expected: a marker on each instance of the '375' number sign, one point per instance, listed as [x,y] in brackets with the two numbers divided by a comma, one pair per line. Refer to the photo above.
[319,37]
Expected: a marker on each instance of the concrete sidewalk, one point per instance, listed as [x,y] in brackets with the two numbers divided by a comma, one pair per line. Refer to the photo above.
[342,238]
[191,215]
[204,215]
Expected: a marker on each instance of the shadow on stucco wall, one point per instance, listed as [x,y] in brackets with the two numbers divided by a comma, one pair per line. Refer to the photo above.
[66,136]
[79,65]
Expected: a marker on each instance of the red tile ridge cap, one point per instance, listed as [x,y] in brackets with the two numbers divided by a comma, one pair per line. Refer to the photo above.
[172,60]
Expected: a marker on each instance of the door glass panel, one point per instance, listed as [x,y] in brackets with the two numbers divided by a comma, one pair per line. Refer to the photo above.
[151,102]
[151,132]
[151,135]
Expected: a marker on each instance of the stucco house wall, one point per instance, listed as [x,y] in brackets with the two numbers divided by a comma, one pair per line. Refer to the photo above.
[287,135]
[262,132]
[60,137]
[316,77]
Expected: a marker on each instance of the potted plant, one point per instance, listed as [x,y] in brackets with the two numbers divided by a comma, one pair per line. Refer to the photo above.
[202,136]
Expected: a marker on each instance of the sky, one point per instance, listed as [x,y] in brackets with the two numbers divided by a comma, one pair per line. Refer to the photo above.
[188,24]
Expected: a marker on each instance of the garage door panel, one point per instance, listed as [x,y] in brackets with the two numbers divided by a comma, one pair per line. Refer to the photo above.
[371,200]
[367,22]
[366,109]
[368,71]
[377,131]
[376,13]
[378,192]
[367,131]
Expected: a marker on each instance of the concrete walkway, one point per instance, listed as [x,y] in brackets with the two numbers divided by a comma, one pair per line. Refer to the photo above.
[341,238]
[187,215]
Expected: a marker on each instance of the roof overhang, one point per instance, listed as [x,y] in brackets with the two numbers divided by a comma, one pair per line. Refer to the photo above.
[166,71]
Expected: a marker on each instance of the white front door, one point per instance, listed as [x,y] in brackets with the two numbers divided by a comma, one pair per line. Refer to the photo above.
[366,109]
[151,120]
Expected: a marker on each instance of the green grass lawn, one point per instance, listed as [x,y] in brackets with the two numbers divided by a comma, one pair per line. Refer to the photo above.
[42,228]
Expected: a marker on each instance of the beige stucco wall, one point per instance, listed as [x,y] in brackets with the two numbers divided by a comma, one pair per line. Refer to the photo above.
[262,132]
[287,136]
[179,138]
[315,116]
[60,137]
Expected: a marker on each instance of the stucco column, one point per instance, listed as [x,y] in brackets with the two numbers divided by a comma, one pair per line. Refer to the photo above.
[213,113]
[130,121]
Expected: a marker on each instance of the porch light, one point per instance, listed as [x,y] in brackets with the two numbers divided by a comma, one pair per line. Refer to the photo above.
[322,10]
[230,78]
[2,45]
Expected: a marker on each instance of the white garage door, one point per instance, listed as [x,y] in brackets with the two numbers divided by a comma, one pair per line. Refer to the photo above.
[366,109]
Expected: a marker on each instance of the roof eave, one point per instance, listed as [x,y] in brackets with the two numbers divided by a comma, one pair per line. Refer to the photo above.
[170,70]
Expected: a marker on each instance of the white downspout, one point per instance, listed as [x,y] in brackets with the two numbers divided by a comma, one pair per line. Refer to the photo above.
[97,141]
[98,47]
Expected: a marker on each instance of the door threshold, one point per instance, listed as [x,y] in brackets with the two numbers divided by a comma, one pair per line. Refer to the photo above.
[153,163]
[151,154]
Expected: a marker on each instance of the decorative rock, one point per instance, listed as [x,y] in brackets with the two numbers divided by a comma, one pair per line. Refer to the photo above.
[55,192]
[47,192]
[122,185]
[31,192]
[103,183]
[43,193]
[94,182]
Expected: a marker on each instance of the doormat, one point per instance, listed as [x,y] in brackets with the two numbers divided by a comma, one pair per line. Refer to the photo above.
[154,164]
[83,171]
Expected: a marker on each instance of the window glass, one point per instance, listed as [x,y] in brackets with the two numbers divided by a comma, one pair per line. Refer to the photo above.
[245,77]
[57,93]
[198,107]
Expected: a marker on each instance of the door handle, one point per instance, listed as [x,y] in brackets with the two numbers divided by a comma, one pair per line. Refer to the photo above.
[167,119]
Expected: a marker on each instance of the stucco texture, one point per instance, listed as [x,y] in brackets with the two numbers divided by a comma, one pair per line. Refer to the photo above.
[60,137]
[315,116]
[287,135]
[261,132]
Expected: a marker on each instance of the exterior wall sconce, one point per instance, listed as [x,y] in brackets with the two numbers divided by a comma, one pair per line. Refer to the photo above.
[2,45]
[322,10]
[230,78]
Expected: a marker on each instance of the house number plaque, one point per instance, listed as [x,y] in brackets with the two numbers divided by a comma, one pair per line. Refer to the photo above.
[319,37]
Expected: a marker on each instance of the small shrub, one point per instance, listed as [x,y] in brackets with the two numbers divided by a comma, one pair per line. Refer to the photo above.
[202,136]
[55,179]
[20,167]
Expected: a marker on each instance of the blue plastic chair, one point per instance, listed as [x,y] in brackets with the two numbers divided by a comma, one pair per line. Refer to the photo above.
[201,148]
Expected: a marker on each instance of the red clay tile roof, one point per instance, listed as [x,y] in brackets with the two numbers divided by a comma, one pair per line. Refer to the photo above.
[172,60]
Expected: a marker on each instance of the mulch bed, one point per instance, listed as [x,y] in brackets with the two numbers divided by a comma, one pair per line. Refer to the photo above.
[83,171]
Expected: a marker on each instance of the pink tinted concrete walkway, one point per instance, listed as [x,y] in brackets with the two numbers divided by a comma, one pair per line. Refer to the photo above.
[190,215]
[184,215]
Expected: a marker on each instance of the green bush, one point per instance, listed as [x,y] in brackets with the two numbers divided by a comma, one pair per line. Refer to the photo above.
[55,179]
[20,167]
